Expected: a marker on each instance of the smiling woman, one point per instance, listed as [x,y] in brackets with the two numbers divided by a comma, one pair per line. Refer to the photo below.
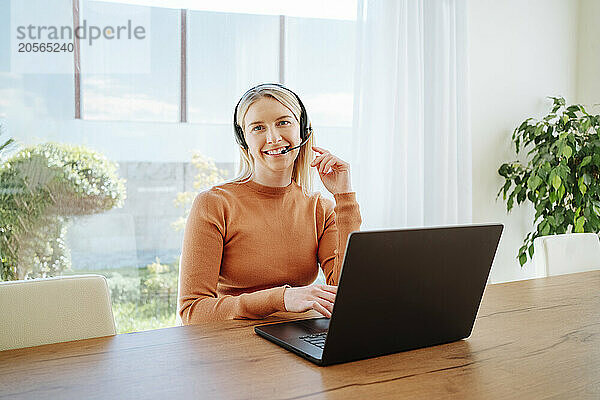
[272,119]
[247,242]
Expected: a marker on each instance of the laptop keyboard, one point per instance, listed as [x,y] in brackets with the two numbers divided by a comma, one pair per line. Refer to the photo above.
[317,339]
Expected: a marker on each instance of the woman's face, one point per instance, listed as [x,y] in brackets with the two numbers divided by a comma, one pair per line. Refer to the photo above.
[269,127]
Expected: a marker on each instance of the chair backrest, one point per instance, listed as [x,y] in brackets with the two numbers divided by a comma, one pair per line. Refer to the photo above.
[566,254]
[178,320]
[51,310]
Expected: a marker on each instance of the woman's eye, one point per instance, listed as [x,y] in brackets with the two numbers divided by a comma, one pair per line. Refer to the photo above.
[285,123]
[257,127]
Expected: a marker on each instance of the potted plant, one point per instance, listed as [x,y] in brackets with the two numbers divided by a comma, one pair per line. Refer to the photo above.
[560,176]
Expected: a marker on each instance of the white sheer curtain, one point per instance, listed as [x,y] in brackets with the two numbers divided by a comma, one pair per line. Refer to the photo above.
[411,162]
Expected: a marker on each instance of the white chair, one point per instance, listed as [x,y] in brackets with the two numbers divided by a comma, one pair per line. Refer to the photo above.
[52,310]
[178,320]
[566,254]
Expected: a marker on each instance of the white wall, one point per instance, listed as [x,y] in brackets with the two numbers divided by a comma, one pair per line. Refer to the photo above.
[520,52]
[588,57]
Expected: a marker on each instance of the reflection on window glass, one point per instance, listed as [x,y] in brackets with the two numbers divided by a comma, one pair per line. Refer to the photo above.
[129,79]
[319,63]
[228,53]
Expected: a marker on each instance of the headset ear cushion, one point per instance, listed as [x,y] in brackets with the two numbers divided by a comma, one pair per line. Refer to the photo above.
[239,134]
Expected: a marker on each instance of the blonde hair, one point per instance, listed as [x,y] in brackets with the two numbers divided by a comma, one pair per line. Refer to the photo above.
[302,173]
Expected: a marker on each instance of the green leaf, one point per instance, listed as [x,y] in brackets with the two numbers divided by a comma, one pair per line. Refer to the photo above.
[556,181]
[506,187]
[561,192]
[546,229]
[582,186]
[563,136]
[586,213]
[586,160]
[523,125]
[579,225]
[567,151]
[522,259]
[538,130]
[510,201]
[530,250]
[521,196]
[533,182]
[585,125]
[560,218]
[518,189]
[587,179]
[505,170]
[563,170]
[542,190]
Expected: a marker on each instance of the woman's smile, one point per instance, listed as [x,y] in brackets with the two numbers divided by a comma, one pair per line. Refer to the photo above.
[276,151]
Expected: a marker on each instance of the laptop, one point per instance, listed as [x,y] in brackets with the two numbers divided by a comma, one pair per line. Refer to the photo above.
[399,290]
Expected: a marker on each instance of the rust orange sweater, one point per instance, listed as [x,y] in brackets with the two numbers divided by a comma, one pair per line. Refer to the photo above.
[245,241]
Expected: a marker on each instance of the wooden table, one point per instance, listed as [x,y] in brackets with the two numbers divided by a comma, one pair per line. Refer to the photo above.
[532,339]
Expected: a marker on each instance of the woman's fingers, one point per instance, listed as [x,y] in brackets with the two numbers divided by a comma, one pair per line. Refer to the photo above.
[320,162]
[319,149]
[320,159]
[328,288]
[316,305]
[330,164]
[325,160]
[320,298]
[326,295]
[317,160]
[325,303]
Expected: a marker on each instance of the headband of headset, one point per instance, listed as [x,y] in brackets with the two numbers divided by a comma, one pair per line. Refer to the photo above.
[305,128]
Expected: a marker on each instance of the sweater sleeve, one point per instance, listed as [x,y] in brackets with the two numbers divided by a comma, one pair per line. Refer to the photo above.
[339,222]
[200,267]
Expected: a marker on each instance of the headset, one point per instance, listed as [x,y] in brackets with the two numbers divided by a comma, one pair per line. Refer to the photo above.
[305,125]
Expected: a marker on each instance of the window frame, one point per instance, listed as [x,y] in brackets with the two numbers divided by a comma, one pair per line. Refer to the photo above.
[183,40]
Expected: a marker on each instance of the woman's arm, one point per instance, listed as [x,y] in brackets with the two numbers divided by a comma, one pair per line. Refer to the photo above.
[339,221]
[200,267]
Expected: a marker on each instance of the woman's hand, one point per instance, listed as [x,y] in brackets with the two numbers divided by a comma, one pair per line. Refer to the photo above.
[334,172]
[312,297]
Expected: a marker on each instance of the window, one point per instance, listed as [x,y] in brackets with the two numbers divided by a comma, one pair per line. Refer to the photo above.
[228,53]
[131,102]
[129,80]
